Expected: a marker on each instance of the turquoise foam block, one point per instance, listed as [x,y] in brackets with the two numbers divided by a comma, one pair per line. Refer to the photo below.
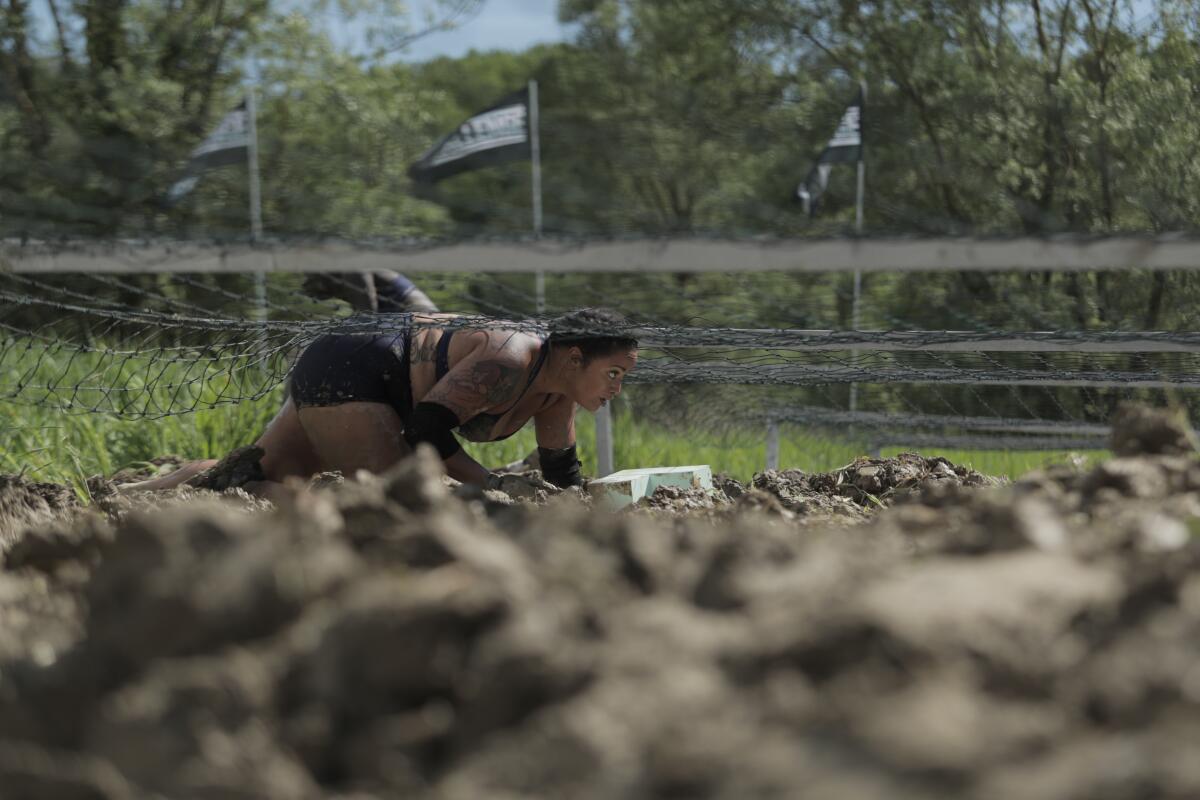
[630,485]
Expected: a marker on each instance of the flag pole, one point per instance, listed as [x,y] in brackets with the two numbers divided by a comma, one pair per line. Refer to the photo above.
[858,226]
[535,147]
[535,153]
[260,277]
[772,442]
[862,148]
[252,157]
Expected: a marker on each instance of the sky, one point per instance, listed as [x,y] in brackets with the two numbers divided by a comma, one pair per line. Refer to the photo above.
[502,25]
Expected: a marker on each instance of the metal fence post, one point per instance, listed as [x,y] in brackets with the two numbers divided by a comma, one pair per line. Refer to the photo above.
[772,443]
[604,442]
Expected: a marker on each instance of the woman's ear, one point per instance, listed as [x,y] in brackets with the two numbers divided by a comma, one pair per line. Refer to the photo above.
[575,358]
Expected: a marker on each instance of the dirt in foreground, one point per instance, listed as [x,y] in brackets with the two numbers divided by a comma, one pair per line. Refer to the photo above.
[391,639]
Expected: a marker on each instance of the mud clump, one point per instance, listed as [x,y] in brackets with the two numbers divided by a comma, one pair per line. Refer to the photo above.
[847,495]
[866,485]
[1141,430]
[24,503]
[237,469]
[397,636]
[677,500]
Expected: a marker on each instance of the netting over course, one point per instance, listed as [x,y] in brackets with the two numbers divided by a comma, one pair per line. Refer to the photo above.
[157,345]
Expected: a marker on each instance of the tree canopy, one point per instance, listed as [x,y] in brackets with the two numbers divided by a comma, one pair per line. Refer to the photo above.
[659,116]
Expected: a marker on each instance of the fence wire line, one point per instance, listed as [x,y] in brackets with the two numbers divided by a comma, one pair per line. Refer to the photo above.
[678,336]
[654,371]
[816,416]
[740,348]
[145,346]
[1014,443]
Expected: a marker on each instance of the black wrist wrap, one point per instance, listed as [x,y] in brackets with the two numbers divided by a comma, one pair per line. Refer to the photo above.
[432,423]
[560,467]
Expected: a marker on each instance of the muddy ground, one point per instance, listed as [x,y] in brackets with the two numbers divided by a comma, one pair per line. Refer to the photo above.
[847,495]
[897,629]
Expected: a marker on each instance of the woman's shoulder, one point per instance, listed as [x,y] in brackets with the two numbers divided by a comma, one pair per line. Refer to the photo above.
[515,339]
[511,342]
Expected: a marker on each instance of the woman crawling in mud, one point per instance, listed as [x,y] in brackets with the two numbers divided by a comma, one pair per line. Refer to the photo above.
[365,401]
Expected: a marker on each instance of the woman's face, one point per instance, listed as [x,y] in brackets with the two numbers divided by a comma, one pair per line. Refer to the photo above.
[599,381]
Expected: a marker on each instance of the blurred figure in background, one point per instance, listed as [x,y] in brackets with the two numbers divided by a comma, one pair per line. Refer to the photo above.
[380,292]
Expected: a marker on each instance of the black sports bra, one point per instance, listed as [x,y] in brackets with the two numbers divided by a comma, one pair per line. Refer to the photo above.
[480,426]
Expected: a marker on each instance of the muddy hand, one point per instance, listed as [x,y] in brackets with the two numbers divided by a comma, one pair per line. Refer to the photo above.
[521,486]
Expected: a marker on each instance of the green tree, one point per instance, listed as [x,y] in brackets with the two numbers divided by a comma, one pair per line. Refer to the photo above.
[99,118]
[670,118]
[337,133]
[98,111]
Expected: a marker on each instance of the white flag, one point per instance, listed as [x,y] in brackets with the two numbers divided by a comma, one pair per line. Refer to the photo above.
[229,143]
[492,136]
[846,146]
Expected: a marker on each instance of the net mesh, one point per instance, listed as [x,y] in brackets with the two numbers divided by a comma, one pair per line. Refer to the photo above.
[155,345]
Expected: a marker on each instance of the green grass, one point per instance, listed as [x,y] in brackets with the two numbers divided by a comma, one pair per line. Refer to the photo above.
[44,442]
[50,445]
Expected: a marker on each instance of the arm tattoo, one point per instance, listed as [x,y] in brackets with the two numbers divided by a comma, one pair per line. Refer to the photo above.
[483,385]
[495,380]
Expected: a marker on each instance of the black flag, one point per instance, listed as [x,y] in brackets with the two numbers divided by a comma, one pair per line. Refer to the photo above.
[493,136]
[845,147]
[229,143]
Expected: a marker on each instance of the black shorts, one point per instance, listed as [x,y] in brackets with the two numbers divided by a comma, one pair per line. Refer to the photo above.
[346,368]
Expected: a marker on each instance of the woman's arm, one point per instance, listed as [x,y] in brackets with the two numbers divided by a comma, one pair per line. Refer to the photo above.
[556,444]
[462,467]
[485,378]
[477,384]
[555,424]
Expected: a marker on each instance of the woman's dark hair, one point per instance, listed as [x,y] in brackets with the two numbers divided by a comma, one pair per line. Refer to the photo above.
[597,332]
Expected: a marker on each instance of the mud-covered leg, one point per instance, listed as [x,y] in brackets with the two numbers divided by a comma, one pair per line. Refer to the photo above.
[170,480]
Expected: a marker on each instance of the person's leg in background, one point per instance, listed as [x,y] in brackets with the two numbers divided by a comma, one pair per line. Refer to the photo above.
[395,292]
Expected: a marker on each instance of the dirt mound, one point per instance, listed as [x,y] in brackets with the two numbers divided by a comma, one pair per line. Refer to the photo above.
[865,485]
[24,503]
[850,494]
[389,638]
[1141,430]
[677,500]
